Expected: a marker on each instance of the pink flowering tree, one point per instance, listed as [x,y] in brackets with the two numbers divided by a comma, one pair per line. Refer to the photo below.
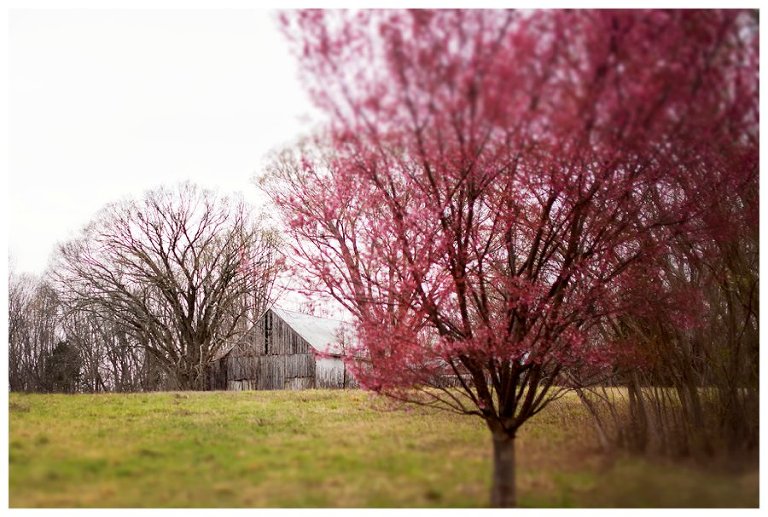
[492,186]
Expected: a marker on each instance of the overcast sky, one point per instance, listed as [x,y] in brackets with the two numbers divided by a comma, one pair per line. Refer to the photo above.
[107,104]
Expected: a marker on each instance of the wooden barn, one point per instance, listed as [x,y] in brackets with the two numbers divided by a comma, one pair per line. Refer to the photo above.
[283,350]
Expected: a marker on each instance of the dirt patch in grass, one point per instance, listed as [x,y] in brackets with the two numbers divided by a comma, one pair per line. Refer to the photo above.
[18,407]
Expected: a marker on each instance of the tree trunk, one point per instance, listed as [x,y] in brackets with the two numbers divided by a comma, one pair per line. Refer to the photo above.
[185,381]
[503,492]
[602,435]
[638,415]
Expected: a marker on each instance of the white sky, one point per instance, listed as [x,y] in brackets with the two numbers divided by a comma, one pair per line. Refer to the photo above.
[107,104]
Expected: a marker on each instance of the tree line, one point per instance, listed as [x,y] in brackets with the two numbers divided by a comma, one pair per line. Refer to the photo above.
[144,298]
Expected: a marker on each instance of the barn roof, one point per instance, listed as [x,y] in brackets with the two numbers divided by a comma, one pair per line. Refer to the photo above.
[321,333]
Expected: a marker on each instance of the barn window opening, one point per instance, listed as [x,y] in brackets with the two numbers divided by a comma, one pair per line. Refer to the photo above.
[267,331]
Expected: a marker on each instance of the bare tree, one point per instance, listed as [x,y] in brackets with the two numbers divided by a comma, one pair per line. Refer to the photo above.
[18,299]
[112,359]
[32,330]
[182,271]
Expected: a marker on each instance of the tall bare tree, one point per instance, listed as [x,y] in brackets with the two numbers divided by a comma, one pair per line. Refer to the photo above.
[183,270]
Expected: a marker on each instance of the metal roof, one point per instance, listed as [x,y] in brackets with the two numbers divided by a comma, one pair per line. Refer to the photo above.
[323,334]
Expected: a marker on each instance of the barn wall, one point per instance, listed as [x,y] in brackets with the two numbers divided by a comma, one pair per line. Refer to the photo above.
[274,357]
[217,375]
[331,373]
[268,372]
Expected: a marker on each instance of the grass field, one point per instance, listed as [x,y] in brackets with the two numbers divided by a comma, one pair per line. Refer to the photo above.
[319,449]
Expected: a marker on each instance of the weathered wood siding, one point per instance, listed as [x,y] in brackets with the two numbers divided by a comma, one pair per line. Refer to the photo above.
[272,356]
[331,373]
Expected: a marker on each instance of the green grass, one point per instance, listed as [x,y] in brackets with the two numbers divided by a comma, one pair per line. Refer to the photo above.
[319,449]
